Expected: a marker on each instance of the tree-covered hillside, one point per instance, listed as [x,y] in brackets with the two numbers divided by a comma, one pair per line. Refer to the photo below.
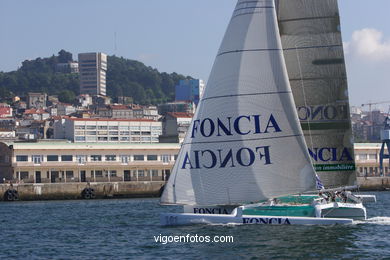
[124,78]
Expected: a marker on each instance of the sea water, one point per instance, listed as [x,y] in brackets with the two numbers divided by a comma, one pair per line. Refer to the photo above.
[129,229]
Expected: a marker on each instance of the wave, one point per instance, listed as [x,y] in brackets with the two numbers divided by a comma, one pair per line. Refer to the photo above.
[375,220]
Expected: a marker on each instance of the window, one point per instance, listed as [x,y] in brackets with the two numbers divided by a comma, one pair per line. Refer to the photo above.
[141,173]
[110,157]
[98,173]
[69,174]
[362,156]
[81,158]
[175,157]
[125,138]
[113,127]
[91,127]
[90,132]
[151,157]
[52,158]
[79,132]
[102,127]
[96,158]
[125,158]
[166,158]
[102,138]
[145,128]
[154,173]
[21,158]
[66,158]
[135,133]
[372,156]
[79,127]
[91,138]
[135,128]
[114,138]
[123,128]
[37,159]
[80,138]
[139,157]
[111,173]
[135,139]
[23,175]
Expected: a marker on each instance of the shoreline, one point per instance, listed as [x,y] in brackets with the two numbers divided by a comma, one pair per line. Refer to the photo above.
[111,190]
[71,191]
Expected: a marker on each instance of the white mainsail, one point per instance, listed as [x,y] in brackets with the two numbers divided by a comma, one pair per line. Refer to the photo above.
[244,143]
[313,50]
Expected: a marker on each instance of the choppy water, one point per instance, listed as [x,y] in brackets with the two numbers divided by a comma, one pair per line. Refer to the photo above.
[125,229]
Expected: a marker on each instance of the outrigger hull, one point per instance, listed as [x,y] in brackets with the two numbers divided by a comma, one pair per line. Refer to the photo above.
[177,219]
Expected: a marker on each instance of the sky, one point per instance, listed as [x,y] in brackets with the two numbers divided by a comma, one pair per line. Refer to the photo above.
[180,36]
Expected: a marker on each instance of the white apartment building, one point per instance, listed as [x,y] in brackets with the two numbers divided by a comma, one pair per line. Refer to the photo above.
[62,161]
[92,71]
[367,160]
[108,130]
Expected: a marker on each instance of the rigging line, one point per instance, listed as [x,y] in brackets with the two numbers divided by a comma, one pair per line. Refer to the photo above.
[304,98]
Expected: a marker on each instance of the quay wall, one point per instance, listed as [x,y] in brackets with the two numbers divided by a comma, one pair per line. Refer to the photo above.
[62,191]
[374,183]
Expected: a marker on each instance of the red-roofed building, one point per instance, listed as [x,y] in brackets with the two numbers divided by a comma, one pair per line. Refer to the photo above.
[116,111]
[36,114]
[5,110]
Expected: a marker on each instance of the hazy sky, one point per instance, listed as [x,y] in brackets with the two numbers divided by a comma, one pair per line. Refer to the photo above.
[178,35]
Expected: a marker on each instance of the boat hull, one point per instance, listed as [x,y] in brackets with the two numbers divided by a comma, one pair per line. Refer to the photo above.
[367,198]
[177,219]
[344,210]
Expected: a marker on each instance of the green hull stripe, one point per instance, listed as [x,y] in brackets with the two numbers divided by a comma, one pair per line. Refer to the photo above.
[325,126]
[334,167]
[292,211]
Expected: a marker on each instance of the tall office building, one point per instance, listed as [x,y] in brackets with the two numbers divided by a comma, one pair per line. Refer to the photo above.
[92,69]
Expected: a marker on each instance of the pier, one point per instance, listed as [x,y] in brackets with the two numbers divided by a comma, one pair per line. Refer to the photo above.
[100,190]
[374,183]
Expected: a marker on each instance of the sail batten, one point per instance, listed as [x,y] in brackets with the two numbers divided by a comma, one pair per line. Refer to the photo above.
[245,143]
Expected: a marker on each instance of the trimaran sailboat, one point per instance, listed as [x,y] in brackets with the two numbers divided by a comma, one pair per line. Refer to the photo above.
[245,158]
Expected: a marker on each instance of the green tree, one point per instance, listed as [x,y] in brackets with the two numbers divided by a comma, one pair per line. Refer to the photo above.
[146,85]
[64,56]
[66,96]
